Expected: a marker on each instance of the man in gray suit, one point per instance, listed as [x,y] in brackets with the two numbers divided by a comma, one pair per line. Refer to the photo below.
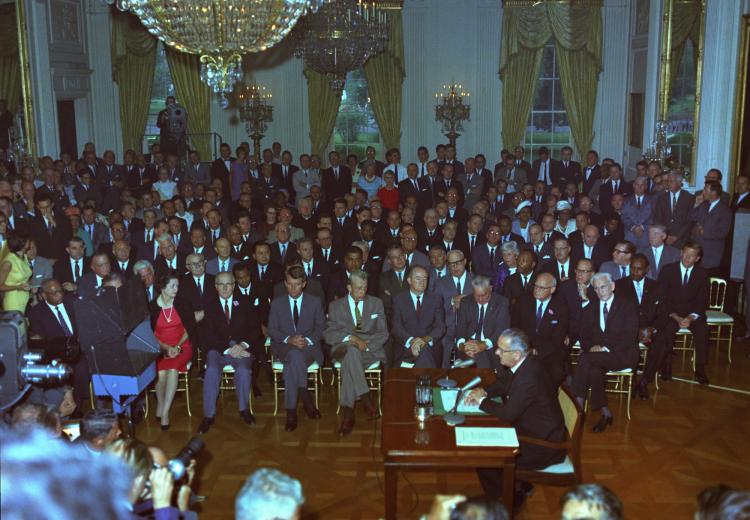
[453,290]
[672,209]
[196,171]
[712,221]
[408,237]
[224,262]
[619,266]
[357,332]
[472,182]
[41,268]
[637,214]
[305,178]
[295,326]
[418,323]
[658,253]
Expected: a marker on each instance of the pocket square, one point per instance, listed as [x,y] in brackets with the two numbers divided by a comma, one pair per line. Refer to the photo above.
[554,322]
[373,316]
[256,302]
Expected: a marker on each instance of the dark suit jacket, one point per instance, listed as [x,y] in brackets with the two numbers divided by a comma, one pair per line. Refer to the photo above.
[427,198]
[243,326]
[425,242]
[548,337]
[600,253]
[291,253]
[189,292]
[92,192]
[274,274]
[161,268]
[496,318]
[406,323]
[530,405]
[337,285]
[44,322]
[605,194]
[568,291]
[219,171]
[620,335]
[441,189]
[388,288]
[482,263]
[513,290]
[569,173]
[266,187]
[650,312]
[716,224]
[678,222]
[50,245]
[406,188]
[336,188]
[62,271]
[311,324]
[684,300]
[546,253]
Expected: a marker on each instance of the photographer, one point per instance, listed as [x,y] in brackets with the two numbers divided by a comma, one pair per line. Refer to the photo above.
[153,484]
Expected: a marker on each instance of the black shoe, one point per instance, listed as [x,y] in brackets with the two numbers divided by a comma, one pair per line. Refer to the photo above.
[291,421]
[641,391]
[247,417]
[312,413]
[665,375]
[205,425]
[602,423]
[164,427]
[701,377]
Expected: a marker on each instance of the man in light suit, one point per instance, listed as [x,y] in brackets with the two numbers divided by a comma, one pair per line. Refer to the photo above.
[672,210]
[305,178]
[472,183]
[637,214]
[295,326]
[357,332]
[619,266]
[408,238]
[224,262]
[657,252]
[41,268]
[196,171]
[712,221]
[418,323]
[453,289]
[481,317]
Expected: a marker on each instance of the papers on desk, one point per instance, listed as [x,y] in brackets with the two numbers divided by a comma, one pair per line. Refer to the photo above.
[448,397]
[499,437]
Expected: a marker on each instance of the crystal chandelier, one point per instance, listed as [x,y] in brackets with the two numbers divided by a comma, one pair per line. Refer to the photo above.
[341,37]
[660,150]
[256,111]
[219,31]
[451,110]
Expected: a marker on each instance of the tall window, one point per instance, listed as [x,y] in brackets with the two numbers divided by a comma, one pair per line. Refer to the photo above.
[548,122]
[160,89]
[356,128]
[681,110]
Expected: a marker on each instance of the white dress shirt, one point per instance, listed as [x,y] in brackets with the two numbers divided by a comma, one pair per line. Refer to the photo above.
[63,312]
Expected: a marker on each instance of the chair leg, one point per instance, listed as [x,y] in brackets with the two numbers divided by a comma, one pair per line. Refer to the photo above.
[337,376]
[315,387]
[630,392]
[187,394]
[380,390]
[730,339]
[275,394]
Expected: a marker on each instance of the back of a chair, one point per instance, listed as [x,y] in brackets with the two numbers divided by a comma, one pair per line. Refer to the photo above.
[716,294]
[573,415]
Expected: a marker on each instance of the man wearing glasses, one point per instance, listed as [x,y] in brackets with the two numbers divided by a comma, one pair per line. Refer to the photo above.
[544,319]
[609,341]
[530,405]
[578,293]
[561,267]
[619,266]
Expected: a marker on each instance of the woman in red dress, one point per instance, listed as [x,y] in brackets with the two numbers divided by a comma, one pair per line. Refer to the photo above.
[388,194]
[174,325]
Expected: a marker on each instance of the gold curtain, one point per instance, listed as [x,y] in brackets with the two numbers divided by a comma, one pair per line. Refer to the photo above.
[385,75]
[10,66]
[577,33]
[194,95]
[133,62]
[322,106]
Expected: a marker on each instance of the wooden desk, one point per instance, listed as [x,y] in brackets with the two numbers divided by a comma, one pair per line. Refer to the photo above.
[405,447]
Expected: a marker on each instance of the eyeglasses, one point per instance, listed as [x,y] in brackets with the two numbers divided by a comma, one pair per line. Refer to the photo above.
[457,262]
[584,270]
[409,239]
[622,252]
[542,288]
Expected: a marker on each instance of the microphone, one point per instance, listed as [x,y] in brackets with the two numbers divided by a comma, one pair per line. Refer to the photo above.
[445,381]
[453,418]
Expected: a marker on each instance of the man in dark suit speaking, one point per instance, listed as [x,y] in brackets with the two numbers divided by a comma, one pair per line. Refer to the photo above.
[529,404]
[295,326]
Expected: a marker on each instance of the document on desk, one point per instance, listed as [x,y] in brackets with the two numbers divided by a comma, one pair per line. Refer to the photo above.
[500,437]
[448,398]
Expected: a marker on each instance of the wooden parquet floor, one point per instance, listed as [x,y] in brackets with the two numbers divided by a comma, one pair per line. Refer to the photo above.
[683,439]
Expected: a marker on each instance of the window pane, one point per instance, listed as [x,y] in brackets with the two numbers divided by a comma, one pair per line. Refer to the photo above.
[356,127]
[547,70]
[543,99]
[161,87]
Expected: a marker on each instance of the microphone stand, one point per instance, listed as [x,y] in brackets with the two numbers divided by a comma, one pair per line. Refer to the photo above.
[453,418]
[445,381]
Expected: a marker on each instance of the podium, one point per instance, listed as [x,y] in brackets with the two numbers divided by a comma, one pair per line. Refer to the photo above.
[115,335]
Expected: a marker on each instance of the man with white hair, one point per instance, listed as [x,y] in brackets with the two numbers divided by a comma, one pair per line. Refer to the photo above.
[609,341]
[269,494]
[658,252]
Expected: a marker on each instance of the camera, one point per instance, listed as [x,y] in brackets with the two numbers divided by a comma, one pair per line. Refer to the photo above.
[178,465]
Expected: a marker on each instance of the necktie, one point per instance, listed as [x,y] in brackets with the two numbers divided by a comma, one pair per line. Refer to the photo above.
[539,314]
[283,250]
[686,278]
[395,171]
[309,271]
[357,317]
[262,272]
[480,322]
[200,287]
[639,291]
[419,305]
[473,240]
[414,182]
[77,274]
[226,312]
[562,271]
[223,267]
[617,186]
[295,314]
[605,312]
[325,254]
[525,280]
[674,200]
[546,237]
[400,279]
[638,202]
[421,173]
[544,172]
[538,249]
[623,271]
[123,266]
[492,255]
[148,236]
[341,221]
[64,325]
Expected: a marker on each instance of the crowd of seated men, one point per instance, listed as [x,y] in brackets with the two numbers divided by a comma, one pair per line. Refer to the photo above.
[367,263]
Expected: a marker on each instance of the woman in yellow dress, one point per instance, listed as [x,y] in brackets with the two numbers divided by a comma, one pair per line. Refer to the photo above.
[15,273]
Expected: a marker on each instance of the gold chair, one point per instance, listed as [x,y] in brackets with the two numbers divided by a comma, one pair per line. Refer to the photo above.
[183,385]
[618,382]
[716,318]
[374,377]
[227,383]
[568,472]
[313,375]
